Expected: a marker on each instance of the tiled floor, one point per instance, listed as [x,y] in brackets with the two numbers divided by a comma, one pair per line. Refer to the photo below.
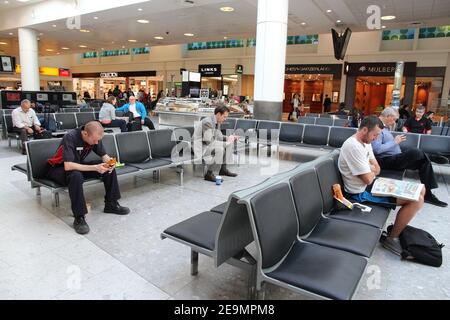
[41,257]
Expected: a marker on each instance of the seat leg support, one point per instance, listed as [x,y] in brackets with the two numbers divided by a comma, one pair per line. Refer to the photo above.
[194,263]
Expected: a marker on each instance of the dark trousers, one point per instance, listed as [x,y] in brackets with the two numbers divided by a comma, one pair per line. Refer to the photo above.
[149,123]
[118,123]
[74,180]
[413,159]
[23,135]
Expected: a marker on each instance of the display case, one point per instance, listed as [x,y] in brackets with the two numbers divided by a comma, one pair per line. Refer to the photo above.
[186,111]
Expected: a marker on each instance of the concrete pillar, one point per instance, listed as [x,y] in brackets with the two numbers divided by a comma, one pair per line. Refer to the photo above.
[350,91]
[446,87]
[29,63]
[271,33]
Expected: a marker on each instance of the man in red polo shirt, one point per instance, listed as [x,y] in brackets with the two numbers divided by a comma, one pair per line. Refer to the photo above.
[66,168]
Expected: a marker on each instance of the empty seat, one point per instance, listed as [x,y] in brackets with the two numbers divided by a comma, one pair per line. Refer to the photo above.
[76,110]
[66,121]
[325,115]
[435,130]
[245,124]
[134,150]
[315,115]
[268,129]
[84,117]
[89,109]
[341,123]
[338,135]
[329,175]
[434,144]
[306,120]
[291,133]
[412,140]
[349,236]
[199,230]
[161,144]
[324,121]
[302,267]
[316,135]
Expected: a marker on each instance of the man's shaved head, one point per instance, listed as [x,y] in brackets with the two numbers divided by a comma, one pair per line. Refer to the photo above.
[93,127]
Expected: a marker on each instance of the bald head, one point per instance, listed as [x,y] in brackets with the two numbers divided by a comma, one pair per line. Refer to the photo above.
[92,133]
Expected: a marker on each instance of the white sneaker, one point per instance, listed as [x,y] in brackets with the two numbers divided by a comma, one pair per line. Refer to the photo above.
[393,245]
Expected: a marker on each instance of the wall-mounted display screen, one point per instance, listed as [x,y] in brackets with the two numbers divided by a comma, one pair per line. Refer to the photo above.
[42,97]
[6,64]
[13,96]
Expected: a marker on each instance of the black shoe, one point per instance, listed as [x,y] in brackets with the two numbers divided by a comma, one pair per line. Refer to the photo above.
[80,225]
[227,173]
[209,176]
[115,208]
[432,199]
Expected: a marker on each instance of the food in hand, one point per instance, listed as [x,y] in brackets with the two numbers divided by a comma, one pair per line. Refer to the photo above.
[111,163]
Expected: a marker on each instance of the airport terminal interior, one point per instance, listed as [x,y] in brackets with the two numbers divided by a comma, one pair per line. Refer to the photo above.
[212,149]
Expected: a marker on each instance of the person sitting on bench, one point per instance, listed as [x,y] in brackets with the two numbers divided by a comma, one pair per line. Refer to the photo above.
[25,122]
[67,169]
[390,156]
[359,168]
[107,115]
[138,111]
[209,141]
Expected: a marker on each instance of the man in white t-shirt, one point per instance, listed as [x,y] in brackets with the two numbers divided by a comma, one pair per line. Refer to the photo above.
[359,169]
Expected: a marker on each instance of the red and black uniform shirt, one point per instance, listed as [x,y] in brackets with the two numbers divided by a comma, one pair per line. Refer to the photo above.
[420,126]
[74,149]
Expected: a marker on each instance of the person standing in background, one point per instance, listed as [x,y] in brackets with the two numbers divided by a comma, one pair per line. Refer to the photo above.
[327,104]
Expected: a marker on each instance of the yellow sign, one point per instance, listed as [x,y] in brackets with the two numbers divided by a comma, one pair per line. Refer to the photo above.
[45,71]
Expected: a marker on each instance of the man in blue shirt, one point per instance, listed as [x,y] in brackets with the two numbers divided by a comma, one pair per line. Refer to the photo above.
[389,155]
[138,111]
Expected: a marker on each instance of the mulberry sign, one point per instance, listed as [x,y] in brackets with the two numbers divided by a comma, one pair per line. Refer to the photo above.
[378,69]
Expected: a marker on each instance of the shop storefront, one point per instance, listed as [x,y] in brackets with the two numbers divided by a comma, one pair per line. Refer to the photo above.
[312,82]
[99,84]
[219,84]
[369,85]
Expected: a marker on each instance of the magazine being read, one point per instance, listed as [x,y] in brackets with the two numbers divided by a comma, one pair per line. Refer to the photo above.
[405,190]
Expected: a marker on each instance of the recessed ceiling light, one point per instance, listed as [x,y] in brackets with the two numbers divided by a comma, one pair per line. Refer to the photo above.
[11,34]
[303,23]
[132,40]
[64,48]
[6,1]
[227,9]
[329,11]
[139,9]
[388,17]
[143,21]
[49,50]
[103,49]
[82,46]
[225,38]
[85,30]
[4,43]
[123,47]
[95,18]
[54,25]
[146,44]
[338,21]
[383,27]
[189,34]
[41,34]
[159,38]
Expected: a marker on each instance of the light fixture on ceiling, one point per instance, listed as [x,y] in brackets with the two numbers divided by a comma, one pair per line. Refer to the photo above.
[227,9]
[3,43]
[132,40]
[54,25]
[123,47]
[23,0]
[146,44]
[388,18]
[329,11]
[143,21]
[82,46]
[303,23]
[85,30]
[159,38]
[225,38]
[189,34]
[6,1]
[103,49]
[338,21]
[65,48]
[49,50]
[58,53]
[11,34]
[95,18]
[139,9]
[383,27]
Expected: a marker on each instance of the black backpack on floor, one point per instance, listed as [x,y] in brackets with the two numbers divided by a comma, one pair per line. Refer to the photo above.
[420,246]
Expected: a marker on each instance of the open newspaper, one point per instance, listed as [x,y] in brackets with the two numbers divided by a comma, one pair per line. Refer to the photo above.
[399,189]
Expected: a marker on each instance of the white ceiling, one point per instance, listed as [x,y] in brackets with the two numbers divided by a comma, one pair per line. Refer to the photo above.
[207,22]
[14,4]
